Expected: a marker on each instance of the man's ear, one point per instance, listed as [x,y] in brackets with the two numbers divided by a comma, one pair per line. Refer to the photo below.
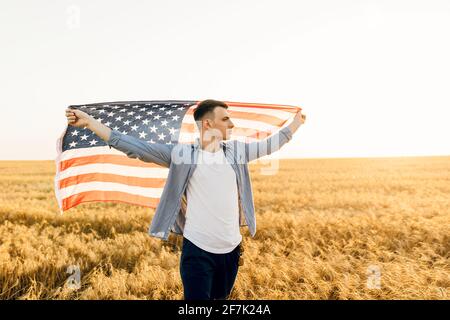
[208,123]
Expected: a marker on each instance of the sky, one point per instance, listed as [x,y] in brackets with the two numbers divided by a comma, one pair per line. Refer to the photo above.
[373,77]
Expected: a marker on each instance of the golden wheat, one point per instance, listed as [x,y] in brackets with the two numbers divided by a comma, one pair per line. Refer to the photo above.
[322,224]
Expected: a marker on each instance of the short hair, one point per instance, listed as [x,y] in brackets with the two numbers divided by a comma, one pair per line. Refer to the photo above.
[207,106]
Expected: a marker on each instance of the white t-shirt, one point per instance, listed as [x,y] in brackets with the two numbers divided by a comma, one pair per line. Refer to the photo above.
[212,214]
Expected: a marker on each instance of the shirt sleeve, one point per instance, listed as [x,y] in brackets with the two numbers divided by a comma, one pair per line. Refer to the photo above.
[135,148]
[258,149]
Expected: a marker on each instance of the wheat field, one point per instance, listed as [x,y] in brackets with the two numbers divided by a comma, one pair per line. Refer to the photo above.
[325,229]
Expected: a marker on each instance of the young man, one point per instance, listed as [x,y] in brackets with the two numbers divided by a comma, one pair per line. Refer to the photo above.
[207,195]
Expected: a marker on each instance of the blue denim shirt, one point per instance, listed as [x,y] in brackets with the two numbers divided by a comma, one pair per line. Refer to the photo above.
[181,159]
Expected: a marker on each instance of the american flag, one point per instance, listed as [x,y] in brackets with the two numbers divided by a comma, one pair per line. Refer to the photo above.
[87,169]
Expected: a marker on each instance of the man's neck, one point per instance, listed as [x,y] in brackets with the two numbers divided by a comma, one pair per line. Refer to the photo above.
[211,145]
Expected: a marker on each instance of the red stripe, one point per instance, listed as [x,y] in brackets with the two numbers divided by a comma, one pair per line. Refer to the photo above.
[109,196]
[272,120]
[288,108]
[106,158]
[240,131]
[108,177]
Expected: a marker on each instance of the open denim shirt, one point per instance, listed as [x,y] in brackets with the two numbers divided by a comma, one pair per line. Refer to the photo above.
[181,159]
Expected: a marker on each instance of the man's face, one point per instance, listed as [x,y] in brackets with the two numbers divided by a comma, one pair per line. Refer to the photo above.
[219,124]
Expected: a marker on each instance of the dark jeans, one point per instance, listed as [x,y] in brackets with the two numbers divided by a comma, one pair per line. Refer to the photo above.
[207,275]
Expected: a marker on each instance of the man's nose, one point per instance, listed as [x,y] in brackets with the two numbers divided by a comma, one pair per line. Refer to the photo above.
[231,126]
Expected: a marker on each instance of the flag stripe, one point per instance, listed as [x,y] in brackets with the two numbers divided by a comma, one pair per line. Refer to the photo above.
[106,158]
[191,128]
[236,114]
[109,196]
[132,181]
[242,123]
[113,169]
[75,153]
[282,115]
[111,186]
[286,108]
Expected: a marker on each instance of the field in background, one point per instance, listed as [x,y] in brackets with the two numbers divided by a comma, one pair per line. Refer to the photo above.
[326,228]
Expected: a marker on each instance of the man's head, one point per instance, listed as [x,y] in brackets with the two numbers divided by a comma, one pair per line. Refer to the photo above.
[212,118]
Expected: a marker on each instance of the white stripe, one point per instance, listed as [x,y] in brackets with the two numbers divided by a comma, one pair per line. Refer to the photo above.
[283,115]
[243,123]
[110,186]
[115,169]
[92,151]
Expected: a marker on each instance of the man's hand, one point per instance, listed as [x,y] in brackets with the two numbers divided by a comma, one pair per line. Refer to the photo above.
[77,118]
[80,119]
[300,117]
[298,120]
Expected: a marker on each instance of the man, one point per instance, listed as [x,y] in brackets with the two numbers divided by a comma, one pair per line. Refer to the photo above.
[207,195]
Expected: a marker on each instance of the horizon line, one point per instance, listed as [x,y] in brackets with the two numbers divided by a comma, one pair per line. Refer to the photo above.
[300,158]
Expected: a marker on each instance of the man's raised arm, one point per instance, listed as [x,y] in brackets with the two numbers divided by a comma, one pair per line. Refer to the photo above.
[257,149]
[131,146]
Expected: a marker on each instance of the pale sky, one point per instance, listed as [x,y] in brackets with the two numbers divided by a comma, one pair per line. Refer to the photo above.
[373,77]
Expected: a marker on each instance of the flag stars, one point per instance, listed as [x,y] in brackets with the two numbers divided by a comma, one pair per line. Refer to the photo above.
[153,123]
[142,134]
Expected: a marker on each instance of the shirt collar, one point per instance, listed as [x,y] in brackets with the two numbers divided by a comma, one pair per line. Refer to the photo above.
[196,144]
